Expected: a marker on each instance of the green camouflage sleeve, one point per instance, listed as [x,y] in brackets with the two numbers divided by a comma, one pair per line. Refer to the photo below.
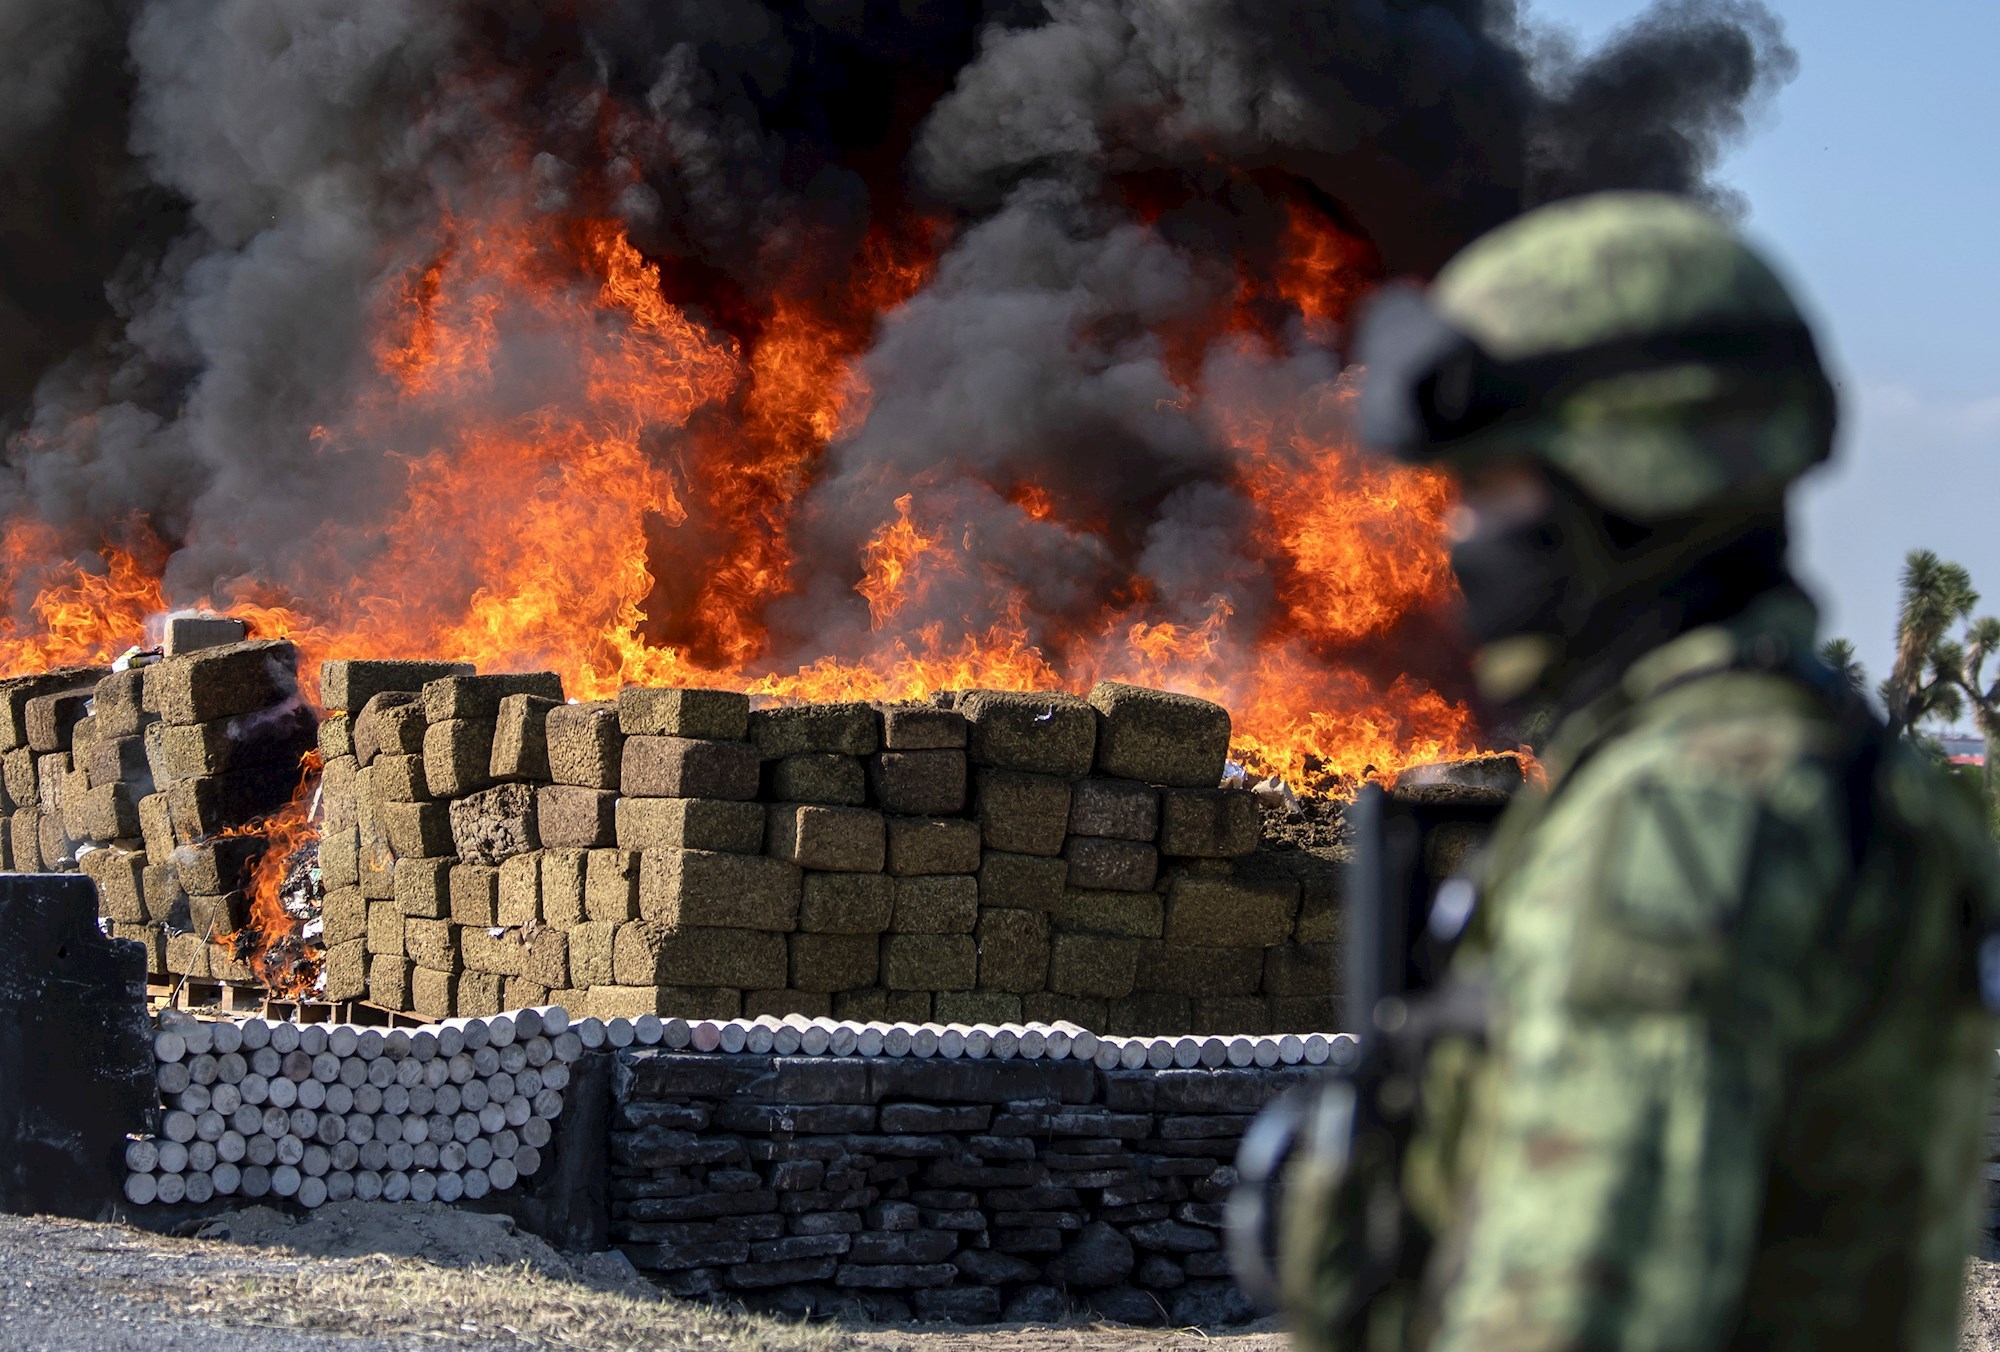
[1645,948]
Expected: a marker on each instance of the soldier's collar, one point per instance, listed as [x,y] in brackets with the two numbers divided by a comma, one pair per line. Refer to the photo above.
[1774,632]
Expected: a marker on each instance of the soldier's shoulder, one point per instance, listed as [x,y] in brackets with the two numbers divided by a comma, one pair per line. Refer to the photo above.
[1743,733]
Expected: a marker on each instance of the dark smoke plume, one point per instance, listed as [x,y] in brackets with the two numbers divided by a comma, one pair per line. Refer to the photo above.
[205,199]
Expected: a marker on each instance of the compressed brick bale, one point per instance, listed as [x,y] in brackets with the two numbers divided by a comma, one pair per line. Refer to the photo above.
[826,963]
[52,719]
[1230,912]
[1021,813]
[433,995]
[277,736]
[845,903]
[803,729]
[547,958]
[452,699]
[922,727]
[976,1007]
[208,805]
[936,904]
[188,955]
[1209,823]
[1049,1007]
[118,702]
[423,887]
[69,803]
[351,683]
[1300,969]
[647,952]
[1207,971]
[458,755]
[1026,881]
[58,846]
[1303,1013]
[779,1003]
[160,890]
[929,962]
[114,760]
[189,631]
[346,969]
[817,777]
[6,846]
[156,827]
[931,845]
[433,944]
[1231,1014]
[1134,915]
[495,825]
[215,917]
[52,769]
[1319,917]
[919,783]
[586,745]
[683,888]
[24,839]
[237,678]
[522,992]
[18,768]
[1039,733]
[152,938]
[474,894]
[1158,736]
[119,875]
[340,857]
[385,928]
[394,779]
[828,839]
[479,995]
[520,891]
[15,692]
[339,794]
[562,887]
[223,865]
[720,715]
[1111,865]
[418,830]
[344,915]
[684,767]
[611,885]
[590,952]
[717,824]
[109,813]
[482,951]
[686,1002]
[1013,951]
[1114,808]
[377,866]
[336,737]
[392,724]
[83,735]
[568,816]
[1148,1013]
[520,738]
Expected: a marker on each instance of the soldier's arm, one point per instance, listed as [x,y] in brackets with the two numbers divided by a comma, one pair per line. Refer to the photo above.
[1616,1191]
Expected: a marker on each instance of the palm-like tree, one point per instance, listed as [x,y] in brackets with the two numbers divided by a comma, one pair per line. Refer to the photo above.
[1927,677]
[1982,640]
[1838,654]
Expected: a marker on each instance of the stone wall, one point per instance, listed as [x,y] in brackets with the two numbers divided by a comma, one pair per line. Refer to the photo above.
[995,858]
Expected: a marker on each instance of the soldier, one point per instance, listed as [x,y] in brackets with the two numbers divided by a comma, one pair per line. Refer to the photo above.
[1732,1078]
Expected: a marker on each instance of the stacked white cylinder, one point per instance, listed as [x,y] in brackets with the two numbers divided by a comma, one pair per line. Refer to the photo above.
[317,1113]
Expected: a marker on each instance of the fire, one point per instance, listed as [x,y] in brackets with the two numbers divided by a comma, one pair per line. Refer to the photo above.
[272,940]
[597,467]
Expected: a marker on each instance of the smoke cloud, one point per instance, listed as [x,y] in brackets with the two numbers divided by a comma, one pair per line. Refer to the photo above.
[207,202]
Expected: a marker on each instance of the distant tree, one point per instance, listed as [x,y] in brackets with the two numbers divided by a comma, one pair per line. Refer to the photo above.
[1926,681]
[1982,641]
[1838,654]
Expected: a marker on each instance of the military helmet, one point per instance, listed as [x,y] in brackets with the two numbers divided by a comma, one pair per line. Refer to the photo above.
[1630,341]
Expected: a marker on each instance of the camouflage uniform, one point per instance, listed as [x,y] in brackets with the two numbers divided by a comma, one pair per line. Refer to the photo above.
[1733,1085]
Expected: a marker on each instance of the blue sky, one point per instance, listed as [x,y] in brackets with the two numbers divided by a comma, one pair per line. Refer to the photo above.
[1874,183]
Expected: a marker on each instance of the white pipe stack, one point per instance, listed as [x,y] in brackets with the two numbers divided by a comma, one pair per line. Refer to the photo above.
[317,1113]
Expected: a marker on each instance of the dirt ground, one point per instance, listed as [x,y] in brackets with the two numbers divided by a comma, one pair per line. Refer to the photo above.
[362,1278]
[357,1277]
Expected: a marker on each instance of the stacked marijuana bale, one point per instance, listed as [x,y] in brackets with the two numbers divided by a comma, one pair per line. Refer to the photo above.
[321,1114]
[145,778]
